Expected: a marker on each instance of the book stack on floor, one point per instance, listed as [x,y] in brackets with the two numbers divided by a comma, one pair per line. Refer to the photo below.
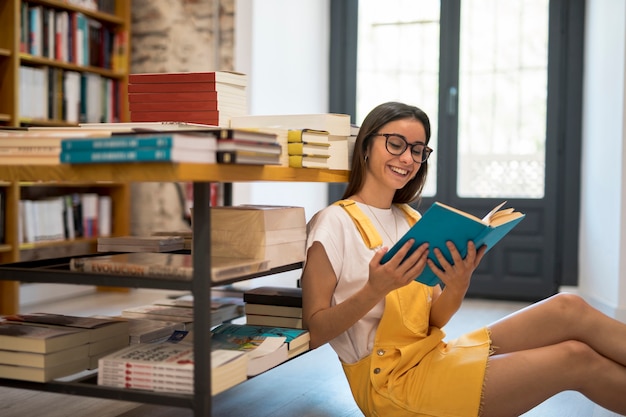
[241,146]
[140,243]
[165,265]
[172,146]
[331,140]
[104,335]
[169,367]
[211,98]
[274,306]
[274,233]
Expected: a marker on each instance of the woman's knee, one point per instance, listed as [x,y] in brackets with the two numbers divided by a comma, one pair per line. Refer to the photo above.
[565,303]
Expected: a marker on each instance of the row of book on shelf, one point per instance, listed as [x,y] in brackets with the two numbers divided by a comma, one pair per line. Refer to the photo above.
[64,217]
[145,348]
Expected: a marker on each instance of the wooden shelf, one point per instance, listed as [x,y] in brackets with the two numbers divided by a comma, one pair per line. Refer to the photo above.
[165,172]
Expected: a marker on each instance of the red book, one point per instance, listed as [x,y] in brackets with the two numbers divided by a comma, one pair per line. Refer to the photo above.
[171,87]
[189,77]
[169,106]
[171,97]
[204,117]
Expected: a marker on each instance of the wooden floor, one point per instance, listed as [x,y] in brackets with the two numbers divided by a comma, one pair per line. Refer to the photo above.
[312,385]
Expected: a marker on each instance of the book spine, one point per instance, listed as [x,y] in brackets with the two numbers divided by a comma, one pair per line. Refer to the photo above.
[167,106]
[189,77]
[117,143]
[116,155]
[118,268]
[178,96]
[205,87]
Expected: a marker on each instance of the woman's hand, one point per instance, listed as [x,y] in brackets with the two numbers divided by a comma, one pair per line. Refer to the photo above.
[457,275]
[397,272]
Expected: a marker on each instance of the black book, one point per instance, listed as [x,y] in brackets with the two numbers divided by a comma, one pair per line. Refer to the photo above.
[278,296]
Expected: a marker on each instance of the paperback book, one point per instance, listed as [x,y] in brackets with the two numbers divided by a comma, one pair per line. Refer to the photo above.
[296,339]
[442,223]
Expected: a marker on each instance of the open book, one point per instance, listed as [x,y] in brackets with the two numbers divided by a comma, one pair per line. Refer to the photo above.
[442,223]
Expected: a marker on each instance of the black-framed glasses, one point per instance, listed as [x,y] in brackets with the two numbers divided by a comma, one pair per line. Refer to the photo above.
[396,145]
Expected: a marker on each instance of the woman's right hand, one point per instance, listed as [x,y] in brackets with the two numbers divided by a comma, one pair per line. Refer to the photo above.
[397,272]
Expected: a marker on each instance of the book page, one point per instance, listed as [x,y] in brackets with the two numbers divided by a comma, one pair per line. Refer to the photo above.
[489,216]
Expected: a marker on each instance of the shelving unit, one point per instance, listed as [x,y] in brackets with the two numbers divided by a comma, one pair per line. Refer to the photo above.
[202,175]
[13,55]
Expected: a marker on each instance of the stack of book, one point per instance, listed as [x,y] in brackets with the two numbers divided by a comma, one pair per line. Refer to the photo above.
[169,366]
[104,335]
[310,148]
[264,351]
[274,306]
[41,354]
[211,98]
[173,146]
[241,146]
[276,234]
[333,131]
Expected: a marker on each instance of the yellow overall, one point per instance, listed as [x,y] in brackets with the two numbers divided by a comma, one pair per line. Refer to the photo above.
[411,371]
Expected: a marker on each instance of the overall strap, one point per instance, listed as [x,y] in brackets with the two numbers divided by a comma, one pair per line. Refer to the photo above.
[364,225]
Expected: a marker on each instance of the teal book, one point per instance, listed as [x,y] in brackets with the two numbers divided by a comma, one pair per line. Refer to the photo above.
[294,338]
[442,223]
[138,155]
[184,140]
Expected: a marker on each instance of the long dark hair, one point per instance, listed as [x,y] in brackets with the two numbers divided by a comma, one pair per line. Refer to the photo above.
[378,117]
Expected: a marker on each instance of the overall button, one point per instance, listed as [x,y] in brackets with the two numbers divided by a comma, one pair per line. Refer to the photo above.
[377,370]
[380,352]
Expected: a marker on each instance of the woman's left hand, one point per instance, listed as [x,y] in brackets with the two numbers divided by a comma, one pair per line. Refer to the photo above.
[457,275]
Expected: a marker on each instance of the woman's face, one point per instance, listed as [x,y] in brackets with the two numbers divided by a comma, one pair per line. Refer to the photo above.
[395,171]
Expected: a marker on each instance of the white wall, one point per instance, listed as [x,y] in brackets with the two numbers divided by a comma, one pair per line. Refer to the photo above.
[602,250]
[283,46]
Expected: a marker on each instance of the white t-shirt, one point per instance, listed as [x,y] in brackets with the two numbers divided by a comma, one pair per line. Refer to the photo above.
[349,256]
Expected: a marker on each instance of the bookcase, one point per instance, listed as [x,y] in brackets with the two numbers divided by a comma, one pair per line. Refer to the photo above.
[202,176]
[55,53]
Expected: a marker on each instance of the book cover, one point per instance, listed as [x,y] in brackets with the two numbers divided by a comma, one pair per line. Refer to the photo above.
[98,327]
[312,136]
[165,88]
[43,360]
[159,312]
[28,373]
[333,123]
[236,145]
[40,339]
[309,149]
[280,296]
[274,321]
[247,158]
[248,135]
[165,265]
[442,223]
[138,155]
[167,105]
[177,96]
[147,331]
[225,77]
[205,140]
[272,310]
[309,161]
[295,338]
[264,352]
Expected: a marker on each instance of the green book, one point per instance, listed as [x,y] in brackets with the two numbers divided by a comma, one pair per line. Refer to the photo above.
[293,337]
[138,155]
[442,223]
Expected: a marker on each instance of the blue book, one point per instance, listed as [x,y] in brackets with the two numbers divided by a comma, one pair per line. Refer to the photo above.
[187,140]
[294,338]
[138,155]
[442,223]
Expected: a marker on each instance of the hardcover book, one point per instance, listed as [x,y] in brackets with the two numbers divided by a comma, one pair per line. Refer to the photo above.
[294,338]
[205,140]
[225,77]
[442,223]
[43,360]
[279,296]
[140,243]
[28,373]
[138,155]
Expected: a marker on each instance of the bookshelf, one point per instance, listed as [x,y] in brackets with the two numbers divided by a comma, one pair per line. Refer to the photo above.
[201,175]
[45,67]
[53,54]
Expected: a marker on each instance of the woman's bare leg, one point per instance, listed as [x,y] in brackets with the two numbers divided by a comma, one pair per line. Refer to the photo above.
[558,319]
[559,344]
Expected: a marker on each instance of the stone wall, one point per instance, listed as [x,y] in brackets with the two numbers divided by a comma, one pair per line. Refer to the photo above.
[175,36]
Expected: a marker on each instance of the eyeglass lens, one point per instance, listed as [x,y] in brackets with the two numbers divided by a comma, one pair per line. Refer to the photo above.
[396,145]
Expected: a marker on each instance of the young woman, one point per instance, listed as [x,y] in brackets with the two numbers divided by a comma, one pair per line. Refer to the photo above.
[386,327]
